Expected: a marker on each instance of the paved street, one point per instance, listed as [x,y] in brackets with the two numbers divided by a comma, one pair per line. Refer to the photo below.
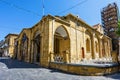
[17,70]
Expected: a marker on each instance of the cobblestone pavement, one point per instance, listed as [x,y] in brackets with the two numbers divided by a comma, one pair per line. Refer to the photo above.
[17,70]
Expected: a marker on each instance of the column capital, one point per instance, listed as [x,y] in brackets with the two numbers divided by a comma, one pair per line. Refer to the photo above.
[93,34]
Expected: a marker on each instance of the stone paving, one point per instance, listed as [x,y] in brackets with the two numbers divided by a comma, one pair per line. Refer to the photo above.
[17,70]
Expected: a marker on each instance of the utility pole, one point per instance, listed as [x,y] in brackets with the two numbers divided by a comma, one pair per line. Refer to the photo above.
[43,7]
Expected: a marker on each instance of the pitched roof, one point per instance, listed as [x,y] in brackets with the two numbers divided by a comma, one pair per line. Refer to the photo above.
[96,26]
[11,34]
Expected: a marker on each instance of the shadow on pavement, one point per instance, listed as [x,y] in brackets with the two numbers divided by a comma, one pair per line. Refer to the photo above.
[63,72]
[115,76]
[11,63]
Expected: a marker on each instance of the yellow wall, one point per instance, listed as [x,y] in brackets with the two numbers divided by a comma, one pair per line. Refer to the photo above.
[10,40]
[88,70]
[77,40]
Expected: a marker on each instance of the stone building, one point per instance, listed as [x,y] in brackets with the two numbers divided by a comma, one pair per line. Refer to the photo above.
[1,47]
[66,39]
[1,52]
[9,44]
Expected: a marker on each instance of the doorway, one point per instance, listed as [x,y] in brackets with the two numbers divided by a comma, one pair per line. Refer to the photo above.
[37,49]
[83,54]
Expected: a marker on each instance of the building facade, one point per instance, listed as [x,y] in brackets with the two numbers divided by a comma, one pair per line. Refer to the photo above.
[1,47]
[9,44]
[110,16]
[66,39]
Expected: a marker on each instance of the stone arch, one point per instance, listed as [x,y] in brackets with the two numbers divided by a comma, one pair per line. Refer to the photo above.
[37,38]
[24,47]
[88,42]
[37,32]
[61,44]
[66,29]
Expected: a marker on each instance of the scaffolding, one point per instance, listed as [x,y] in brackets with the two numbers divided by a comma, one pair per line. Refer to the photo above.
[109,18]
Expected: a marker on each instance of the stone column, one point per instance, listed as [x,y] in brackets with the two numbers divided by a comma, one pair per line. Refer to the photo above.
[51,56]
[32,52]
[93,46]
[67,56]
[109,50]
[105,44]
[18,52]
[100,48]
[103,48]
[51,40]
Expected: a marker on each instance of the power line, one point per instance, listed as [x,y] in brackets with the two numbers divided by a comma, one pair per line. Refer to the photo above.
[29,11]
[73,7]
[20,8]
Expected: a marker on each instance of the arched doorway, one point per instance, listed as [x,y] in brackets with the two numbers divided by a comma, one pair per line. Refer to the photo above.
[24,48]
[61,45]
[36,48]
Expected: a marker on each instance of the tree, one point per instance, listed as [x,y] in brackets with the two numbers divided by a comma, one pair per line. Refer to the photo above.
[118,30]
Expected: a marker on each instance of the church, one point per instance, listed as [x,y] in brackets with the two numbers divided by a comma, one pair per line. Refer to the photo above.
[66,39]
[63,42]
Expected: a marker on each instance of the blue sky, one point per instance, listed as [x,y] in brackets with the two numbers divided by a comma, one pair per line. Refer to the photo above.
[18,14]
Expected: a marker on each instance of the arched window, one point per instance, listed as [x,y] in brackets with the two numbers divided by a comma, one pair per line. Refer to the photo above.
[87,45]
[59,36]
